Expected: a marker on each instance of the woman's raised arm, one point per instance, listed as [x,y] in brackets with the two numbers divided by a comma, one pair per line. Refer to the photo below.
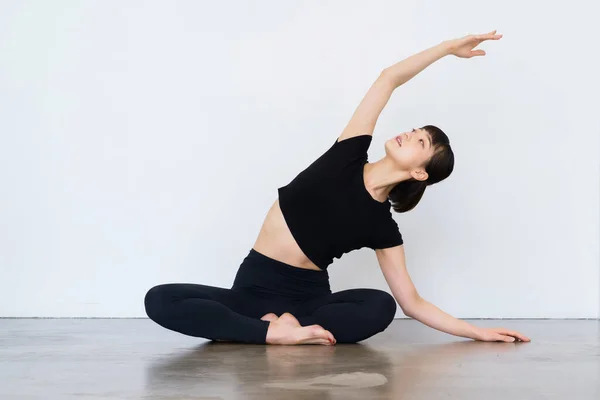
[365,117]
[366,114]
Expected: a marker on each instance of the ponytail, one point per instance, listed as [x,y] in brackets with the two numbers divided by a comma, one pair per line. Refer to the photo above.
[407,194]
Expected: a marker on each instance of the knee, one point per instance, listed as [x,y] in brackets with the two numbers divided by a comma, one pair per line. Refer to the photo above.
[384,309]
[155,301]
[378,309]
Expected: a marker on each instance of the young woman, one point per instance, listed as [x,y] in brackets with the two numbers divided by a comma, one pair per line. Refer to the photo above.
[281,292]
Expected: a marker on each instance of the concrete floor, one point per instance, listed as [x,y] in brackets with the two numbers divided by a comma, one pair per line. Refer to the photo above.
[136,359]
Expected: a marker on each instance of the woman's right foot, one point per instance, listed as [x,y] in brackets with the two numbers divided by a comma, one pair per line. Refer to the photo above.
[287,330]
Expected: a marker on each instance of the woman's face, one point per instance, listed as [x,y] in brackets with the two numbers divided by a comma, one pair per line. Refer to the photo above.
[410,150]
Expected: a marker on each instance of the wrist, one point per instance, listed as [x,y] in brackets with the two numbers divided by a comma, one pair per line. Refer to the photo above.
[446,47]
[475,332]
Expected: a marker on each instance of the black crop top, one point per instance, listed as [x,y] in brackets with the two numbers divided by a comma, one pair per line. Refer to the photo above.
[329,210]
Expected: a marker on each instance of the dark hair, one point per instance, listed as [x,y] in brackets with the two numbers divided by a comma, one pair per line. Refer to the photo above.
[407,194]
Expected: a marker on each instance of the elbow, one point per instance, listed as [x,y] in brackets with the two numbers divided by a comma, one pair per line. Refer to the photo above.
[386,76]
[408,311]
[409,308]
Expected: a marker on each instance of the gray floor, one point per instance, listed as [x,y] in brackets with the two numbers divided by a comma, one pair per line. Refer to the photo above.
[136,359]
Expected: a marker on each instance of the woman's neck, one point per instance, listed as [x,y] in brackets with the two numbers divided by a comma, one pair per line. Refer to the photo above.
[381,176]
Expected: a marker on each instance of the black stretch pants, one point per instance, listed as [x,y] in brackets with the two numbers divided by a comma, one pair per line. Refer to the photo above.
[263,285]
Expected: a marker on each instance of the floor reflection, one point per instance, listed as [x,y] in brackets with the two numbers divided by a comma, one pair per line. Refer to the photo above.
[224,370]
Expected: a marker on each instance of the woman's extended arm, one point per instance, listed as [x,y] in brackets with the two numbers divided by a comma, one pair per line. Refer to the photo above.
[365,116]
[428,314]
[462,47]
[405,70]
[393,266]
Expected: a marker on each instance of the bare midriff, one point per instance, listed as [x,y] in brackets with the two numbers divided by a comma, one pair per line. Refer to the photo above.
[276,241]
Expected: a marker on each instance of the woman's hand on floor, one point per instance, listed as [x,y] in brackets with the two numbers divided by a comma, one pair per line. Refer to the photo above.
[499,335]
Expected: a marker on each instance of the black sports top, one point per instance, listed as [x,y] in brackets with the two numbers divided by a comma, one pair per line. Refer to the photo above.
[329,210]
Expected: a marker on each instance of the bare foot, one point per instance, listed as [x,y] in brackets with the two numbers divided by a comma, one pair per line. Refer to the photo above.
[287,330]
[269,317]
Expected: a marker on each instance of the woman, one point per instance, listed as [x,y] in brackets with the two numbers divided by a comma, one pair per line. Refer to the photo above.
[340,203]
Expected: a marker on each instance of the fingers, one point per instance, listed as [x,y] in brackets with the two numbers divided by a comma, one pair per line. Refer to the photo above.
[488,36]
[503,335]
[524,338]
[501,338]
[516,334]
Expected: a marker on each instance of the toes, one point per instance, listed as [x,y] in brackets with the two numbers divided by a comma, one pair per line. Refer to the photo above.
[288,315]
[318,341]
[289,319]
[269,317]
[331,338]
[319,331]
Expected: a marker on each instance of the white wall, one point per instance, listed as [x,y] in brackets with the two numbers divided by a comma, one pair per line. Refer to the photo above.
[143,142]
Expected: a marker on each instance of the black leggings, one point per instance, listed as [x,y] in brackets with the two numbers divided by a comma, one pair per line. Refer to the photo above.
[263,285]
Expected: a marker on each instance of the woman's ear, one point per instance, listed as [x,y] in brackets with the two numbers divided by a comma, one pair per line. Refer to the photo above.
[419,174]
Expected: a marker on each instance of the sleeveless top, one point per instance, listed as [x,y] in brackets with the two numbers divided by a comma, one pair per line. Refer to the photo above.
[328,209]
